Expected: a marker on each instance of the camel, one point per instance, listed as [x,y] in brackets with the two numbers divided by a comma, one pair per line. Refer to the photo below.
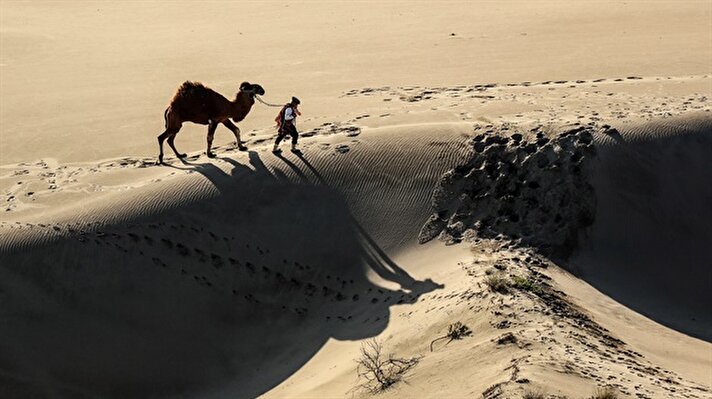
[196,103]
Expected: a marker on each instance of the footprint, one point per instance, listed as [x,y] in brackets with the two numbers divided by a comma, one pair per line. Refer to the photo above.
[183,250]
[217,261]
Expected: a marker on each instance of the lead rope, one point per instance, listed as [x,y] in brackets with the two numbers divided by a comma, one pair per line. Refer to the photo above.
[265,103]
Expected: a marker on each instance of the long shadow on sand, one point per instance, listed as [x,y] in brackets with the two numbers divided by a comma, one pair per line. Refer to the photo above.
[229,295]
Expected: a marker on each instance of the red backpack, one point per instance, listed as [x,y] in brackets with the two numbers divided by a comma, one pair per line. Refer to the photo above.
[280,117]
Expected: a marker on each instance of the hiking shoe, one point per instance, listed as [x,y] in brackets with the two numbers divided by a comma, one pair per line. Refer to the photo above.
[296,150]
[277,151]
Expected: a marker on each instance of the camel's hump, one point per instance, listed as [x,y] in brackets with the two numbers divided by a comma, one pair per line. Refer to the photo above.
[191,87]
[191,91]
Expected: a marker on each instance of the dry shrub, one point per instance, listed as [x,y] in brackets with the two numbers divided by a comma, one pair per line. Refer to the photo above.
[456,330]
[377,372]
[506,338]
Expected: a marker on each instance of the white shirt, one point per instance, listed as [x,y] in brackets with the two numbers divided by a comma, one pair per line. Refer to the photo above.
[289,114]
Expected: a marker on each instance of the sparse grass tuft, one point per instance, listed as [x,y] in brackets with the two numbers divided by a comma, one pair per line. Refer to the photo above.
[525,284]
[377,372]
[497,283]
[605,393]
[534,395]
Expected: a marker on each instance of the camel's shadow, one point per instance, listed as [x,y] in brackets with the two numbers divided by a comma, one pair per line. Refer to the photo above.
[230,294]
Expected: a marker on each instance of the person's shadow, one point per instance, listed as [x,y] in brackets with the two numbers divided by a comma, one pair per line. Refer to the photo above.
[230,293]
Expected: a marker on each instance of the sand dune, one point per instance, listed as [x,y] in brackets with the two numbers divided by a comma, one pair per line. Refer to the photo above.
[271,259]
[267,256]
[538,172]
[647,189]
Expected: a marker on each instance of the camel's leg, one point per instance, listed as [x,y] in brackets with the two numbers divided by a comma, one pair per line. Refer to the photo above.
[236,131]
[169,134]
[211,133]
[171,138]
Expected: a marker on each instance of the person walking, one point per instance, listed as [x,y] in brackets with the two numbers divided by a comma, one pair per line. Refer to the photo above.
[286,125]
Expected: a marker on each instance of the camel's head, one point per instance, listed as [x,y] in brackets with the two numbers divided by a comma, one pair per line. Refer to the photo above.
[251,89]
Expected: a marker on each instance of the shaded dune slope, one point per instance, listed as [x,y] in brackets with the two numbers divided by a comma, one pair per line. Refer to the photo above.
[627,210]
[203,282]
[650,245]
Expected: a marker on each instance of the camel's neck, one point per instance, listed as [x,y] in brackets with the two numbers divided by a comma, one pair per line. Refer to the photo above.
[241,106]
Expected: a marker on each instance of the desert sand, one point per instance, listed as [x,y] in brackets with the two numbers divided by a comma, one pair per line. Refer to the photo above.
[560,149]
